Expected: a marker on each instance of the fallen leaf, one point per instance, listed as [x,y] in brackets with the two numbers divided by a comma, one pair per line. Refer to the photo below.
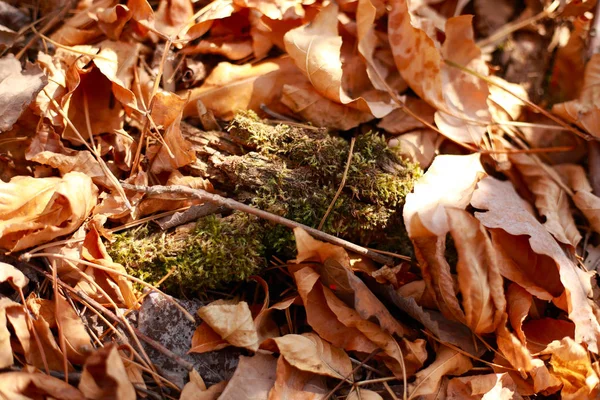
[10,274]
[294,384]
[518,303]
[478,272]
[104,376]
[232,322]
[195,389]
[459,97]
[484,387]
[311,249]
[363,394]
[205,339]
[550,199]
[6,352]
[308,352]
[77,340]
[34,385]
[253,378]
[541,332]
[507,211]
[512,349]
[37,210]
[584,111]
[447,362]
[316,50]
[17,89]
[571,364]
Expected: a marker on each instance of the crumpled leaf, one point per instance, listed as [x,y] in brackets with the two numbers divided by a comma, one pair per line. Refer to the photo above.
[253,378]
[17,89]
[33,385]
[585,110]
[447,362]
[37,210]
[316,50]
[571,364]
[308,352]
[550,199]
[507,211]
[12,275]
[196,389]
[459,97]
[104,376]
[232,322]
[294,384]
[483,387]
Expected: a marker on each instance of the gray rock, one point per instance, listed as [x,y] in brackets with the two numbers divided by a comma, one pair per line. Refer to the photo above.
[162,321]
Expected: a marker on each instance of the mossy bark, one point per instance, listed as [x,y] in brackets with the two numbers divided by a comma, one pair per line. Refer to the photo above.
[294,172]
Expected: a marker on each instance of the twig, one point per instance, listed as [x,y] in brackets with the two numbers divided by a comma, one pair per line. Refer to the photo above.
[342,184]
[351,374]
[236,205]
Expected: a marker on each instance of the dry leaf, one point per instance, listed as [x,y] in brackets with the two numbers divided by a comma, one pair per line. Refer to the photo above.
[195,389]
[205,339]
[571,364]
[484,387]
[253,378]
[308,352]
[34,386]
[512,349]
[37,210]
[519,301]
[507,211]
[550,199]
[17,89]
[459,97]
[233,322]
[541,332]
[364,395]
[104,376]
[585,110]
[478,272]
[447,362]
[310,249]
[10,274]
[294,384]
[6,352]
[316,50]
[77,340]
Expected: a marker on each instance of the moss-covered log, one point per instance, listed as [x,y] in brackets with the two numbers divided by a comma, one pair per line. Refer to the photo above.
[292,171]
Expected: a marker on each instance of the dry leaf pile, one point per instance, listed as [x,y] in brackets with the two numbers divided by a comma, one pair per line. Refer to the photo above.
[116,113]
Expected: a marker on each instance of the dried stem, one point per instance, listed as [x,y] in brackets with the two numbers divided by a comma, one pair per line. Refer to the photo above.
[236,205]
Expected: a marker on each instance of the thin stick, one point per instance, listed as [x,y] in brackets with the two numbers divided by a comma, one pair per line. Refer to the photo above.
[351,374]
[523,100]
[342,184]
[236,205]
[27,256]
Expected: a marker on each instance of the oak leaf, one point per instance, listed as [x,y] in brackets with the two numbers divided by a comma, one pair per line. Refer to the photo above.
[232,322]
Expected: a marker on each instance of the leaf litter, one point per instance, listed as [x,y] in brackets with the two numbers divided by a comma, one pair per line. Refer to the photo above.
[456,255]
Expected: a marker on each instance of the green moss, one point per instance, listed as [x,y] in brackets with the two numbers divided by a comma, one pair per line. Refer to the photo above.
[208,254]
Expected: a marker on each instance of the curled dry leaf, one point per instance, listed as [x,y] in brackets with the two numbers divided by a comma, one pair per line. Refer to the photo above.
[316,50]
[519,301]
[447,362]
[507,211]
[311,249]
[550,199]
[253,378]
[571,364]
[459,97]
[10,274]
[585,110]
[232,322]
[6,353]
[195,389]
[484,387]
[104,376]
[294,384]
[37,210]
[77,340]
[17,89]
[35,385]
[512,349]
[363,394]
[308,352]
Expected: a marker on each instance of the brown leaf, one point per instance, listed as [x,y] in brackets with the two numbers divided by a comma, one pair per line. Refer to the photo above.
[322,319]
[231,88]
[584,111]
[485,387]
[316,50]
[364,395]
[447,362]
[77,340]
[304,100]
[550,199]
[232,49]
[571,364]
[205,339]
[233,322]
[311,249]
[399,121]
[458,96]
[519,302]
[195,389]
[34,385]
[308,352]
[10,274]
[37,210]
[253,378]
[294,384]
[478,272]
[104,376]
[17,89]
[278,9]
[513,350]
[6,352]
[541,332]
[507,211]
